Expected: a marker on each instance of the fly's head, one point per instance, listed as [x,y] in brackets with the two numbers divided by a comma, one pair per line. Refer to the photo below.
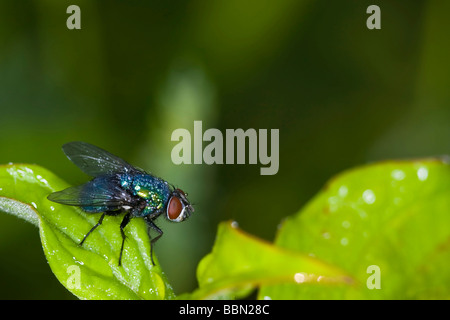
[178,207]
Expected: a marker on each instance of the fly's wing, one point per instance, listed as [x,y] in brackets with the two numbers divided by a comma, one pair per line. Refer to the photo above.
[95,161]
[92,194]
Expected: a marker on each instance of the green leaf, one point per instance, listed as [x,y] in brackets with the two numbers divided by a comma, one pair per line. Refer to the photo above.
[239,262]
[90,271]
[394,215]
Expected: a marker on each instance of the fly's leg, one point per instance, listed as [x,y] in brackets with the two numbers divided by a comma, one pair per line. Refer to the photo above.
[123,224]
[93,228]
[109,213]
[152,242]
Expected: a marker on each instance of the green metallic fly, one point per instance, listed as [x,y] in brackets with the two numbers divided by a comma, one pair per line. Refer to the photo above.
[119,187]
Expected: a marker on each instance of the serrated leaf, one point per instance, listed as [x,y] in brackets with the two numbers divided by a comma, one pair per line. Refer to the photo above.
[90,271]
[394,215]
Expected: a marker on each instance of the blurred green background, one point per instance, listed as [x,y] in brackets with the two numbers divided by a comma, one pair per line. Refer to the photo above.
[340,94]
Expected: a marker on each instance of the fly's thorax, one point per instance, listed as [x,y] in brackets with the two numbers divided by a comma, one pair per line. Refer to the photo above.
[154,191]
[154,200]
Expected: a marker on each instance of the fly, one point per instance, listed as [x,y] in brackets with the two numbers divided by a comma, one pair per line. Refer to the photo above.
[118,187]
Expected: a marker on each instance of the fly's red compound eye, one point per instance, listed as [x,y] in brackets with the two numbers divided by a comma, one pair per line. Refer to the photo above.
[174,209]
